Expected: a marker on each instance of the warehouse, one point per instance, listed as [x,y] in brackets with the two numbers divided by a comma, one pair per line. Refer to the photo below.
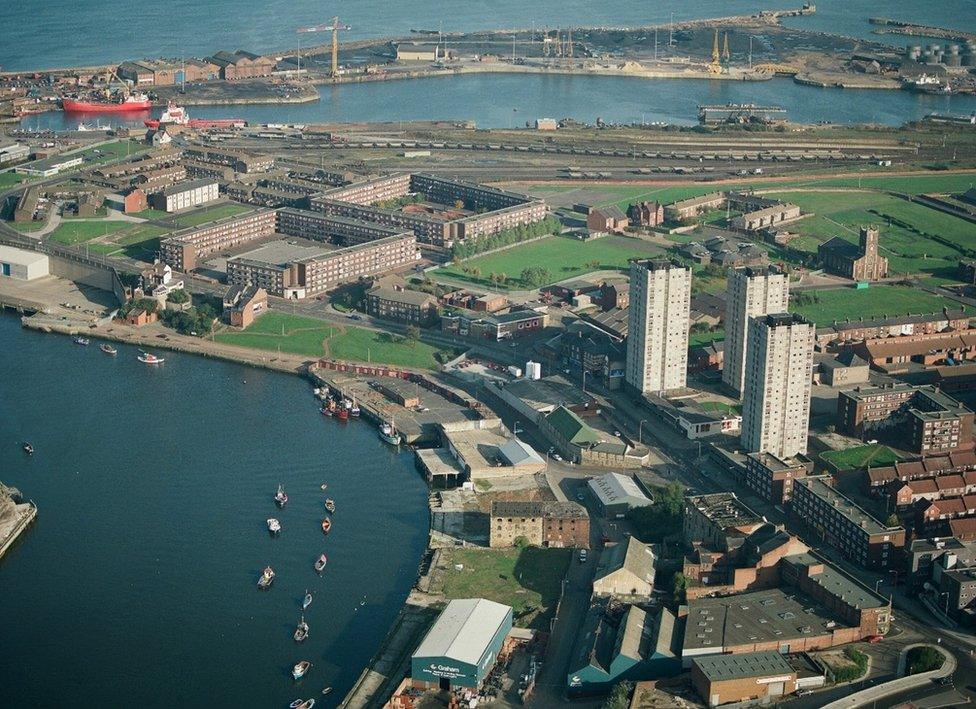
[22,265]
[616,493]
[721,679]
[461,647]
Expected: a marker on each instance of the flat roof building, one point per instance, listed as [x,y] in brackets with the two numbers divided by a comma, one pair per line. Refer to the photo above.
[462,646]
[657,344]
[723,679]
[22,265]
[752,292]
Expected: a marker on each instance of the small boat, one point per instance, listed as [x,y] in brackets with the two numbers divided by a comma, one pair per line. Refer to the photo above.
[83,341]
[301,632]
[343,414]
[330,505]
[28,449]
[274,526]
[299,670]
[320,563]
[267,578]
[323,487]
[325,411]
[388,434]
[108,349]
[281,497]
[354,409]
[326,525]
[147,358]
[307,601]
[326,690]
[302,704]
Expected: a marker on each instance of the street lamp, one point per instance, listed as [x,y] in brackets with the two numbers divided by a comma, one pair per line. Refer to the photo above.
[877,584]
[946,594]
[642,422]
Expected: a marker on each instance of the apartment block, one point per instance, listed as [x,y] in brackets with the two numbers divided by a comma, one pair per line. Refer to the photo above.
[657,345]
[772,478]
[845,525]
[184,195]
[751,292]
[183,249]
[778,381]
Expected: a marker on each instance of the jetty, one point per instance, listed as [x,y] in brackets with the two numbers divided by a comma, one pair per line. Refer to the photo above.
[15,517]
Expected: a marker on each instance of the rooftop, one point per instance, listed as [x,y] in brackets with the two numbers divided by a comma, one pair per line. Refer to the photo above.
[836,582]
[855,513]
[547,393]
[538,508]
[631,555]
[284,252]
[464,630]
[724,509]
[188,185]
[720,668]
[614,488]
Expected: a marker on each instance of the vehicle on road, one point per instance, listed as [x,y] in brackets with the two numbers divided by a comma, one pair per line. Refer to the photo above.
[582,556]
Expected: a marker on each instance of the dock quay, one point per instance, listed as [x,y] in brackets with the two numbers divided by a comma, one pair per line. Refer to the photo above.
[14,519]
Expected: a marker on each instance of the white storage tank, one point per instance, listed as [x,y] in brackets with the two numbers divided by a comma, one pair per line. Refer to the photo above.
[533,370]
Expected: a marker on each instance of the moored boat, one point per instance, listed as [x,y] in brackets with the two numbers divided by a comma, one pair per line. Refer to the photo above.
[300,669]
[326,525]
[323,487]
[325,411]
[301,632]
[388,434]
[326,690]
[108,349]
[342,413]
[281,497]
[330,505]
[267,578]
[132,102]
[83,341]
[147,358]
[320,563]
[302,704]
[307,601]
[274,526]
[28,449]
[354,409]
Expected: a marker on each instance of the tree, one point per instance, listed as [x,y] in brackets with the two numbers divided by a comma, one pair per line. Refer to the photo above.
[520,542]
[413,334]
[892,520]
[679,584]
[924,659]
[619,696]
[535,276]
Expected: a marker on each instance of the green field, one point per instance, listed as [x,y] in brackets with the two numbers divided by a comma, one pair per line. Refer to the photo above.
[527,579]
[115,150]
[78,232]
[209,214]
[150,213]
[563,257]
[26,226]
[826,306]
[314,338]
[874,454]
[10,179]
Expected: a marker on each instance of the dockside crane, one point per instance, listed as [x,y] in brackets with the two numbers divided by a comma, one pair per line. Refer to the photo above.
[334,28]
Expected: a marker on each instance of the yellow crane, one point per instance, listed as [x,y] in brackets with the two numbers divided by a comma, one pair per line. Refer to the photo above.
[334,28]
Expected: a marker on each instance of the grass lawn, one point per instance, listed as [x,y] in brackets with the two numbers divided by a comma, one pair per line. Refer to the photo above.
[150,213]
[527,579]
[10,179]
[306,336]
[78,232]
[210,214]
[26,226]
[876,301]
[564,257]
[115,150]
[703,338]
[720,407]
[874,454]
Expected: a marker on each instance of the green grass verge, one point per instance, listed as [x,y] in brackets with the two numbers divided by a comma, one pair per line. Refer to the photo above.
[150,213]
[874,454]
[209,214]
[526,579]
[563,257]
[10,179]
[78,232]
[877,301]
[306,336]
[26,226]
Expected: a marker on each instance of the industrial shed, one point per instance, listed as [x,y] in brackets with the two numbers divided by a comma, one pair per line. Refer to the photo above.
[21,264]
[616,493]
[626,571]
[462,646]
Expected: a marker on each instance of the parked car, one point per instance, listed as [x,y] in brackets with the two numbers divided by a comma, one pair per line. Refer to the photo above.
[582,556]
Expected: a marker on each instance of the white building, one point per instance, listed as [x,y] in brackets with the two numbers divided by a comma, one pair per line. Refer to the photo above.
[751,292]
[657,345]
[778,379]
[21,264]
[183,195]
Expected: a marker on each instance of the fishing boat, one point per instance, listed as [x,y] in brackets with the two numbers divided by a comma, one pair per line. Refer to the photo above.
[267,578]
[330,505]
[147,358]
[108,349]
[83,341]
[300,669]
[301,632]
[326,691]
[281,497]
[343,414]
[307,601]
[274,526]
[326,525]
[388,434]
[28,449]
[325,411]
[320,563]
[354,410]
[323,487]
[302,704]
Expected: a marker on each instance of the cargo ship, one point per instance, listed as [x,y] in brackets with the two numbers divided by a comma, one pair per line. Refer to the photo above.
[177,115]
[131,103]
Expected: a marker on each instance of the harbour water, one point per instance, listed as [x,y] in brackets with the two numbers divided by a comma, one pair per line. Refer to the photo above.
[136,583]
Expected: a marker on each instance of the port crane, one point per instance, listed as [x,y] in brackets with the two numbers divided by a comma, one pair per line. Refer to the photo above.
[334,28]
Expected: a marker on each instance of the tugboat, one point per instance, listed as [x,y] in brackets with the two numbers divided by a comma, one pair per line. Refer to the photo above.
[274,526]
[343,414]
[320,563]
[267,578]
[307,601]
[301,632]
[83,341]
[108,349]
[326,525]
[388,434]
[299,670]
[281,497]
[28,449]
[330,505]
[147,358]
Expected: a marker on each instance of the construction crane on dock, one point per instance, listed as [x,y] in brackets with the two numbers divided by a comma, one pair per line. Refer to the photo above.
[334,28]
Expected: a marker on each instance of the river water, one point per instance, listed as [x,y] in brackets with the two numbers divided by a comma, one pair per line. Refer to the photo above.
[136,584]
